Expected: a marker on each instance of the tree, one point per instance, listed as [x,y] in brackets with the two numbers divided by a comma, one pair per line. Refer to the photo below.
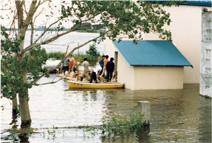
[92,51]
[22,64]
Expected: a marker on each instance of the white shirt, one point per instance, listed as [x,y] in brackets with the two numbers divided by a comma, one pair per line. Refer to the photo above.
[85,64]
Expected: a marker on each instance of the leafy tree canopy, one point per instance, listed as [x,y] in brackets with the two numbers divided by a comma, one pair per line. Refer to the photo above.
[93,51]
[12,81]
[122,17]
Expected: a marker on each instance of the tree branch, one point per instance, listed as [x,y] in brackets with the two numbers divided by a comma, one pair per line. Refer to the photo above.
[30,13]
[32,27]
[40,3]
[35,44]
[13,23]
[52,82]
[19,13]
[58,65]
[49,40]
[46,30]
[25,8]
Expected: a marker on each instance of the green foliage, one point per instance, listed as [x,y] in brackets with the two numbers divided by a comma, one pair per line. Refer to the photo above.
[118,124]
[18,70]
[122,17]
[121,123]
[93,53]
[56,55]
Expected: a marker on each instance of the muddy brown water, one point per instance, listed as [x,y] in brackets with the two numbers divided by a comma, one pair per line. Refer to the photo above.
[176,115]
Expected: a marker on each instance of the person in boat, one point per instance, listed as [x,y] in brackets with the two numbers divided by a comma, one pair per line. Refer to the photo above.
[71,62]
[110,68]
[101,62]
[66,65]
[86,71]
[93,76]
[75,70]
[75,67]
[105,63]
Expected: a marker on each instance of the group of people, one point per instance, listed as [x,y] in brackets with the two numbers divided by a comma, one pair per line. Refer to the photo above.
[105,74]
[107,67]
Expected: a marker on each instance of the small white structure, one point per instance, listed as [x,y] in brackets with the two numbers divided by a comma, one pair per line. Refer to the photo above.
[145,109]
[150,64]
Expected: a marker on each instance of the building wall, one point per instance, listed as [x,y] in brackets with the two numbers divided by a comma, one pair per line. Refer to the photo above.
[139,78]
[125,71]
[110,48]
[186,36]
[158,78]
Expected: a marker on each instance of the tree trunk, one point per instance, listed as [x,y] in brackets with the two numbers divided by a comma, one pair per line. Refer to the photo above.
[14,105]
[14,110]
[24,111]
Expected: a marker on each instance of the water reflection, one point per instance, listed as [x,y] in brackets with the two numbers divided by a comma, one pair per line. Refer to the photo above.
[172,111]
[205,126]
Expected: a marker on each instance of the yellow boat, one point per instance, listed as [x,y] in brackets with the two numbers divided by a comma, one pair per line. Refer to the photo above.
[80,84]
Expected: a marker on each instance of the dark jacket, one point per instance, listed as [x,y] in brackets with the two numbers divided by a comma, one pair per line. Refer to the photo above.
[110,66]
[101,62]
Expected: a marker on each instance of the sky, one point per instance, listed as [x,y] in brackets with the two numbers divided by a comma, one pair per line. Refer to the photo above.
[48,12]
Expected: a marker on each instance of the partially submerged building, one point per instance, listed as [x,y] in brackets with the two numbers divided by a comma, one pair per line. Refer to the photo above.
[149,64]
[186,27]
[186,35]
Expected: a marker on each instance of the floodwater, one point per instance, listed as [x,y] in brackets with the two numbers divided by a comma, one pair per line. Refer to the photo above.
[182,112]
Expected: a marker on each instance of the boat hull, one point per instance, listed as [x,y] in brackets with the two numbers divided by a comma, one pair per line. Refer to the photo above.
[86,85]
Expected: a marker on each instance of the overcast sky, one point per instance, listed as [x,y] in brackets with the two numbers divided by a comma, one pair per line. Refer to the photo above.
[50,12]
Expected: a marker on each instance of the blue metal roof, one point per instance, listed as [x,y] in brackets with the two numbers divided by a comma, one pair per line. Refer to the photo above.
[151,53]
[207,3]
[197,3]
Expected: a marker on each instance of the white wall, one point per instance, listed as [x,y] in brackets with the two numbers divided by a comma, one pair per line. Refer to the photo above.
[158,78]
[125,71]
[186,35]
[139,78]
[110,48]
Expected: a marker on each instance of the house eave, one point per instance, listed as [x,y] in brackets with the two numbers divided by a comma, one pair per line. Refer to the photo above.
[161,65]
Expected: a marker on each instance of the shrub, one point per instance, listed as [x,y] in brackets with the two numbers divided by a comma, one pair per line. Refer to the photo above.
[120,123]
[56,55]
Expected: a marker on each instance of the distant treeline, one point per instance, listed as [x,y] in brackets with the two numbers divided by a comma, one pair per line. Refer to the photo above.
[84,27]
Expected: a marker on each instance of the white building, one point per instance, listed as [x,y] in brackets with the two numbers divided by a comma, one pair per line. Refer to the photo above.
[150,64]
[186,36]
